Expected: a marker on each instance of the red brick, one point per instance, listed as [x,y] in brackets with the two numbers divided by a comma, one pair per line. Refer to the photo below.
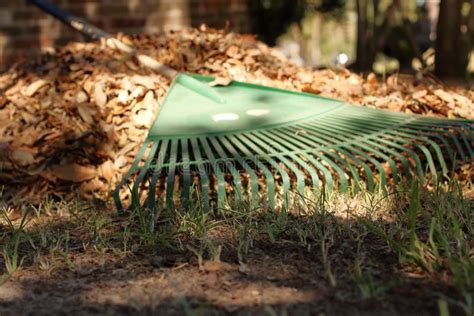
[26,22]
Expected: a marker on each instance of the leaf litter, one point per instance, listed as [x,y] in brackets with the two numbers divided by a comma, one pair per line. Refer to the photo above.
[73,120]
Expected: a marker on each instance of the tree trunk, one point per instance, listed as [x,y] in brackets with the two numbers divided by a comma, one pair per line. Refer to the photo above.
[448,40]
[470,24]
[364,59]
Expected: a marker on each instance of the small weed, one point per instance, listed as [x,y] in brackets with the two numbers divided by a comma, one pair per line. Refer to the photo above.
[10,251]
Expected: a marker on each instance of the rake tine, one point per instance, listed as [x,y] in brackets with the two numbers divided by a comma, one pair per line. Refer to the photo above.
[407,140]
[303,137]
[157,169]
[231,167]
[299,175]
[328,180]
[204,179]
[171,173]
[290,143]
[359,142]
[217,171]
[410,134]
[268,175]
[252,142]
[248,170]
[143,172]
[186,174]
[455,141]
[310,142]
[128,175]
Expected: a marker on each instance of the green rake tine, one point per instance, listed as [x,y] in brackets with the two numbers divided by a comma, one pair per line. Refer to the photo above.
[433,125]
[340,148]
[217,172]
[456,143]
[443,140]
[403,160]
[469,153]
[289,143]
[231,166]
[319,166]
[428,154]
[248,170]
[407,139]
[203,177]
[359,142]
[252,142]
[342,176]
[131,171]
[157,169]
[171,173]
[337,146]
[268,175]
[299,175]
[315,181]
[186,172]
[411,135]
[412,154]
[144,170]
[290,147]
[305,140]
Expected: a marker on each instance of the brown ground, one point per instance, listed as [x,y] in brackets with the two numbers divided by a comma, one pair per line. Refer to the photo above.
[276,280]
[87,272]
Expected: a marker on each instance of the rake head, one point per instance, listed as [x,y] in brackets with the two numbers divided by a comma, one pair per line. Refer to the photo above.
[267,142]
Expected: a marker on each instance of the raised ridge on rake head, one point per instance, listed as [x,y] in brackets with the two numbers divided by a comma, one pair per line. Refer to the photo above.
[266,142]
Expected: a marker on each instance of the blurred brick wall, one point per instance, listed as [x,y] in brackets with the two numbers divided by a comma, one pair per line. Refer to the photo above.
[25,30]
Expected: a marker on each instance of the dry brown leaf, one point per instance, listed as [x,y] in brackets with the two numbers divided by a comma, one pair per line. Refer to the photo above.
[123,96]
[232,51]
[445,96]
[73,172]
[149,101]
[85,113]
[82,97]
[107,170]
[35,86]
[220,81]
[145,81]
[419,94]
[23,157]
[99,95]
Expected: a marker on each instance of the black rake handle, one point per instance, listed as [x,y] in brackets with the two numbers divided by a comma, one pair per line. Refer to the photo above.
[70,20]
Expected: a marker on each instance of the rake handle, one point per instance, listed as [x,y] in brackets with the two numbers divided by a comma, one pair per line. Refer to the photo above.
[94,32]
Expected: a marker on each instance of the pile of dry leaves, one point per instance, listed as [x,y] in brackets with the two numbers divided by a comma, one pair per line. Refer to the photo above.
[74,120]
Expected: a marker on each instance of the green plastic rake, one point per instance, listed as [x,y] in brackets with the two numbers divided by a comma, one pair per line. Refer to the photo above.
[245,141]
[265,142]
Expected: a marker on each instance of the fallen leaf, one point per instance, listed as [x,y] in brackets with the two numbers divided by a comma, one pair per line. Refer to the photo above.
[220,81]
[99,95]
[73,172]
[82,97]
[85,113]
[23,157]
[35,86]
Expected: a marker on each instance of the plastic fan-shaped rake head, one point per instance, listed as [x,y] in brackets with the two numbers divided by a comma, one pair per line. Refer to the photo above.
[263,142]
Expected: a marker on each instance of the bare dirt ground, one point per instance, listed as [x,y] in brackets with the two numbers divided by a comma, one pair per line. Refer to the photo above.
[357,255]
[276,280]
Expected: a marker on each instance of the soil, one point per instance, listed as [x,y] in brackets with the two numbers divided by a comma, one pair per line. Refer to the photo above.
[276,279]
